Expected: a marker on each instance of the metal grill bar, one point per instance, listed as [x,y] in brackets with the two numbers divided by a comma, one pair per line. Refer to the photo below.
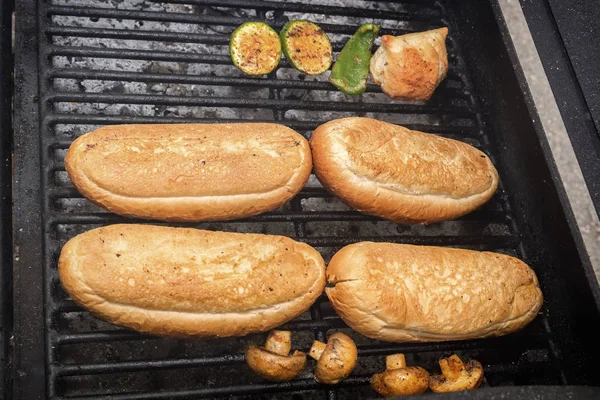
[138,35]
[155,36]
[485,242]
[100,337]
[147,365]
[217,19]
[251,103]
[520,340]
[217,59]
[143,15]
[423,12]
[53,119]
[70,370]
[142,55]
[292,386]
[490,216]
[215,80]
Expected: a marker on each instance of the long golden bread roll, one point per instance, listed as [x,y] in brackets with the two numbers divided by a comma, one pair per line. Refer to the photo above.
[190,172]
[405,293]
[402,175]
[186,282]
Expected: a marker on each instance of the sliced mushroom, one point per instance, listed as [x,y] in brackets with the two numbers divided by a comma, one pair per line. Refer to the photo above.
[273,361]
[456,375]
[335,360]
[398,379]
[279,342]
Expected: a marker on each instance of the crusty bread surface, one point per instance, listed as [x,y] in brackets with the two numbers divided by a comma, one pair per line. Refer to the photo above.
[190,172]
[411,66]
[399,174]
[183,282]
[406,293]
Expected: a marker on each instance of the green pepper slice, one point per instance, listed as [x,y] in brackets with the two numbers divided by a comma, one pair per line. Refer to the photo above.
[350,72]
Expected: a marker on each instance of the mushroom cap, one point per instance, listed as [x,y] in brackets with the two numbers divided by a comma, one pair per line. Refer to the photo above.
[401,382]
[273,366]
[456,375]
[337,361]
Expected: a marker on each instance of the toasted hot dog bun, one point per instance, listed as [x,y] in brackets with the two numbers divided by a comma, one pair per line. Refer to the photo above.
[405,293]
[402,175]
[190,172]
[184,282]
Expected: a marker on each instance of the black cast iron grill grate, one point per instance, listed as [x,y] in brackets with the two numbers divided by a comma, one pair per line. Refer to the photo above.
[145,62]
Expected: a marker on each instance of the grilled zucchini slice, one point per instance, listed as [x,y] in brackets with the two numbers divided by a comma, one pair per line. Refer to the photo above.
[306,46]
[255,48]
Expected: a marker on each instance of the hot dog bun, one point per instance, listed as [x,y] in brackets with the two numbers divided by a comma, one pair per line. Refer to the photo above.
[186,282]
[405,176]
[190,172]
[404,293]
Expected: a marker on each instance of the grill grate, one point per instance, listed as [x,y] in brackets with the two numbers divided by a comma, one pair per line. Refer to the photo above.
[147,62]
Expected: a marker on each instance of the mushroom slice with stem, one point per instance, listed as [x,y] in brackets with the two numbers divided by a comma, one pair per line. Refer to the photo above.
[398,379]
[273,361]
[456,375]
[335,360]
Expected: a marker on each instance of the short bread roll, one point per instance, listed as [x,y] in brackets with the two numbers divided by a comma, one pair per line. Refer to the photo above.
[184,282]
[190,172]
[402,175]
[405,293]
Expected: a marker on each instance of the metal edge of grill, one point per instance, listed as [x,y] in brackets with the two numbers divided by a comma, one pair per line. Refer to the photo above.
[5,197]
[35,225]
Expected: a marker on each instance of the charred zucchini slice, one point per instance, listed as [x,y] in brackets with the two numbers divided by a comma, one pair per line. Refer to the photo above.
[255,48]
[306,46]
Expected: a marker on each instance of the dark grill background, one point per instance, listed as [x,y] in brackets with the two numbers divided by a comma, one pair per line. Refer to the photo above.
[132,61]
